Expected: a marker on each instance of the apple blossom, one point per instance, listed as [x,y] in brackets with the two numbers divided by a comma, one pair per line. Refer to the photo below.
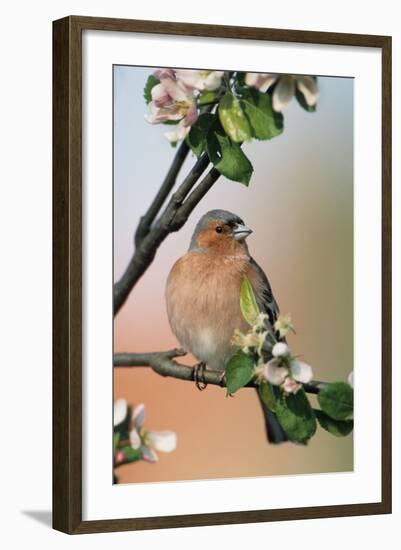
[165,72]
[280,349]
[249,340]
[149,455]
[290,385]
[260,322]
[285,88]
[302,372]
[200,80]
[179,132]
[274,373]
[290,376]
[120,411]
[165,441]
[138,415]
[261,81]
[135,439]
[283,325]
[172,101]
[351,379]
[148,441]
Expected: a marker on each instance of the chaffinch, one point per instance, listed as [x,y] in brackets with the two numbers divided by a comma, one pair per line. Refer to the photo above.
[203,290]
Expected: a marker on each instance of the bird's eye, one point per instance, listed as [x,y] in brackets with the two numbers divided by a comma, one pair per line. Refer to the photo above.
[219,229]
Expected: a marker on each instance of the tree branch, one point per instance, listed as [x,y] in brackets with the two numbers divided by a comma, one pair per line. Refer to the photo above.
[146,221]
[163,363]
[172,219]
[195,197]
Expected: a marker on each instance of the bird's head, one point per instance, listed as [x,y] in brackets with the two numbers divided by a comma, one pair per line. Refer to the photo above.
[222,232]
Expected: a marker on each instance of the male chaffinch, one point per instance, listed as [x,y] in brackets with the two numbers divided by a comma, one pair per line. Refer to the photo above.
[203,290]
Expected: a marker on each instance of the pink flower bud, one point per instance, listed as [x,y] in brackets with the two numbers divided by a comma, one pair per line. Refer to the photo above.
[119,457]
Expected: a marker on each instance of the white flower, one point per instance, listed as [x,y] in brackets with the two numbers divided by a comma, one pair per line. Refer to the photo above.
[120,411]
[179,132]
[200,80]
[285,87]
[135,439]
[163,73]
[149,455]
[213,80]
[172,100]
[290,385]
[165,441]
[289,378]
[274,373]
[260,322]
[138,415]
[283,325]
[280,349]
[302,372]
[351,379]
[137,419]
[249,340]
[148,441]
[261,81]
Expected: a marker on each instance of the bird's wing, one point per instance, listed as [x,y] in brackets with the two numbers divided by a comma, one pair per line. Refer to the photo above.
[267,303]
[265,298]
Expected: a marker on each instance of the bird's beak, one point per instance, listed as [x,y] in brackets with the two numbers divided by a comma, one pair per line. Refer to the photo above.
[241,232]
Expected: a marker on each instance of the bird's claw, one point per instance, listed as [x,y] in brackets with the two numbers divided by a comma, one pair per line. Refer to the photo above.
[199,376]
[179,352]
[176,352]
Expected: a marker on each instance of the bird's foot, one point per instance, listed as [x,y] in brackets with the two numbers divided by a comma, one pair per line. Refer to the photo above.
[199,376]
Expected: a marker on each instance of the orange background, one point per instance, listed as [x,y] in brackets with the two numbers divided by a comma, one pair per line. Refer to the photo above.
[300,205]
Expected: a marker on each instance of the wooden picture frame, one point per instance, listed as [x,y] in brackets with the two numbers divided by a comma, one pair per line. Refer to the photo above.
[67,273]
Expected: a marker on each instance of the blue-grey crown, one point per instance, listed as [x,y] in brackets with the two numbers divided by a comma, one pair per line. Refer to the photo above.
[224,215]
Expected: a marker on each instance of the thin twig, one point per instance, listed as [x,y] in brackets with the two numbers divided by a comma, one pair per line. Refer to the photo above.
[163,363]
[172,219]
[195,197]
[149,217]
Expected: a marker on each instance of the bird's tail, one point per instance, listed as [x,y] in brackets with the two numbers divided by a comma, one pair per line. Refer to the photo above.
[274,432]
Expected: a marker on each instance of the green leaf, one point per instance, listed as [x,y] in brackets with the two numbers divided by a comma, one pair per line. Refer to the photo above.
[227,156]
[296,416]
[339,428]
[239,371]
[337,400]
[264,121]
[207,96]
[116,439]
[233,119]
[301,100]
[131,455]
[196,138]
[249,307]
[150,83]
[266,392]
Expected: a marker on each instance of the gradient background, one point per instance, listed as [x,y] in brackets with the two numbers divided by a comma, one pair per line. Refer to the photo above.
[300,206]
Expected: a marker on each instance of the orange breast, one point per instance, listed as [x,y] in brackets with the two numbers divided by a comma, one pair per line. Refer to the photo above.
[203,304]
